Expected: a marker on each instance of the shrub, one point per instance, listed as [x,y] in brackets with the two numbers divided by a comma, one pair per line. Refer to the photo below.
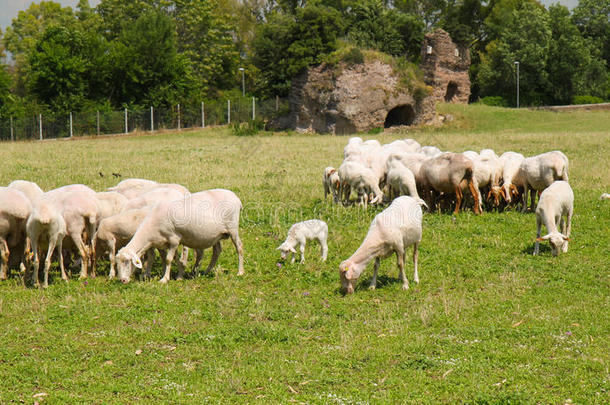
[494,101]
[586,100]
[249,128]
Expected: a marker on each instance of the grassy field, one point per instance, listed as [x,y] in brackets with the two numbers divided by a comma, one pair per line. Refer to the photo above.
[489,323]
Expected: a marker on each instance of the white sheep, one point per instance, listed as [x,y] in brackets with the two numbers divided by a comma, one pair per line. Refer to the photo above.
[354,175]
[70,188]
[556,202]
[15,208]
[153,197]
[198,221]
[110,203]
[299,233]
[400,180]
[605,196]
[392,231]
[31,190]
[46,227]
[430,151]
[331,183]
[540,171]
[511,175]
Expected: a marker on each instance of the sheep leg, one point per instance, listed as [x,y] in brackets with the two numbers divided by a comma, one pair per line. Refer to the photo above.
[324,248]
[148,262]
[112,258]
[82,251]
[476,194]
[216,249]
[302,251]
[169,257]
[5,253]
[400,259]
[292,258]
[198,257]
[239,247]
[458,197]
[533,194]
[538,230]
[35,261]
[568,230]
[525,193]
[184,257]
[415,259]
[47,260]
[373,284]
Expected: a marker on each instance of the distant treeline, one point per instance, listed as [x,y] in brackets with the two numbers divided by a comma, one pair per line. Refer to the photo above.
[126,53]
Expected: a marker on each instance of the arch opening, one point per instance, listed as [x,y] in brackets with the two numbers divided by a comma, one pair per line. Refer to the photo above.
[452,91]
[401,115]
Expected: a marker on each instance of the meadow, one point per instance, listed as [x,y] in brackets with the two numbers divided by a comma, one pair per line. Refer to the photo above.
[488,324]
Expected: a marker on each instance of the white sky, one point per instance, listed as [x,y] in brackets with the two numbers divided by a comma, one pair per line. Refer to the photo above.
[10,8]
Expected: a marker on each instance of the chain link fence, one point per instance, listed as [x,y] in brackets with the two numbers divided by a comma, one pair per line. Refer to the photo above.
[94,123]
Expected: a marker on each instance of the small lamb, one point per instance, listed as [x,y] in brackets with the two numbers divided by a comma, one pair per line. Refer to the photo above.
[332,184]
[299,233]
[556,201]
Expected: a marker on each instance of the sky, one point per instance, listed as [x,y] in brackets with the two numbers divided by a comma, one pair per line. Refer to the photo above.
[10,8]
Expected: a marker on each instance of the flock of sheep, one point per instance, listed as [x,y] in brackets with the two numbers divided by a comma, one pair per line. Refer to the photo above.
[130,220]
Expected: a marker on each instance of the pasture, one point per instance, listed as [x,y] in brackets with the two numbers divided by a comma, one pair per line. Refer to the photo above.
[488,323]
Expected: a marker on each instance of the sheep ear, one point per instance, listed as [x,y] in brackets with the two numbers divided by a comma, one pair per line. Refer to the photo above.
[567,239]
[136,261]
[545,237]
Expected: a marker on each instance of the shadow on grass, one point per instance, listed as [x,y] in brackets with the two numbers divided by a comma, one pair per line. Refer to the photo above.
[544,248]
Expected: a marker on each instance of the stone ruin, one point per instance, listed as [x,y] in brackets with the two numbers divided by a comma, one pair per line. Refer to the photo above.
[361,97]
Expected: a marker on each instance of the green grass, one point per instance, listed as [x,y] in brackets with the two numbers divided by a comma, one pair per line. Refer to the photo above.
[489,323]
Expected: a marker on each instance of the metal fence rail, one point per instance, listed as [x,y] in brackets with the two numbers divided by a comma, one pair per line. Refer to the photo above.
[35,126]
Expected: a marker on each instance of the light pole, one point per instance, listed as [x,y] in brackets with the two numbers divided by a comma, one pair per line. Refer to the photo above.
[517,66]
[243,82]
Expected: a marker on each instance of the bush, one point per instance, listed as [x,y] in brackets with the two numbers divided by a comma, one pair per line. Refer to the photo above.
[353,56]
[586,100]
[249,128]
[494,101]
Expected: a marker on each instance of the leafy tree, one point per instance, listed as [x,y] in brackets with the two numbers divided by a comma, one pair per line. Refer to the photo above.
[593,19]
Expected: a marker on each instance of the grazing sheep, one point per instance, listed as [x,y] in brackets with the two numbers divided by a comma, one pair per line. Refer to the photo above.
[354,175]
[15,208]
[489,157]
[71,188]
[198,221]
[299,233]
[29,188]
[153,197]
[556,202]
[132,188]
[331,183]
[392,231]
[110,203]
[400,180]
[46,227]
[605,196]
[447,173]
[430,151]
[511,176]
[539,172]
[116,231]
[352,148]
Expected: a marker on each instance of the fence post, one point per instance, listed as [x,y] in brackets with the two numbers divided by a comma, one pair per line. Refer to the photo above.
[125,120]
[152,122]
[12,133]
[40,126]
[71,130]
[229,111]
[178,117]
[98,122]
[202,115]
[253,109]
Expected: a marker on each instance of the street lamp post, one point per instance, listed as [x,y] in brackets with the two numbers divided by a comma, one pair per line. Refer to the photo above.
[517,66]
[243,82]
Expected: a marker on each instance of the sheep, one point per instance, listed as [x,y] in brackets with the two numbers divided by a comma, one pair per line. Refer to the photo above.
[80,212]
[15,208]
[46,227]
[539,172]
[132,188]
[430,151]
[197,220]
[493,161]
[605,196]
[352,148]
[116,231]
[71,188]
[299,233]
[556,202]
[31,190]
[485,172]
[153,197]
[511,175]
[331,183]
[446,174]
[392,231]
[400,180]
[110,203]
[360,178]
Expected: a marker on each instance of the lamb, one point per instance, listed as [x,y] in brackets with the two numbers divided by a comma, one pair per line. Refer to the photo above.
[198,221]
[15,208]
[400,180]
[299,233]
[110,203]
[539,172]
[46,227]
[556,202]
[331,183]
[447,173]
[116,231]
[392,231]
[360,178]
[511,175]
[31,190]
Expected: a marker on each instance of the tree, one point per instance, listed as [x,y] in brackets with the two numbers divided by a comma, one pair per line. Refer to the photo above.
[593,19]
